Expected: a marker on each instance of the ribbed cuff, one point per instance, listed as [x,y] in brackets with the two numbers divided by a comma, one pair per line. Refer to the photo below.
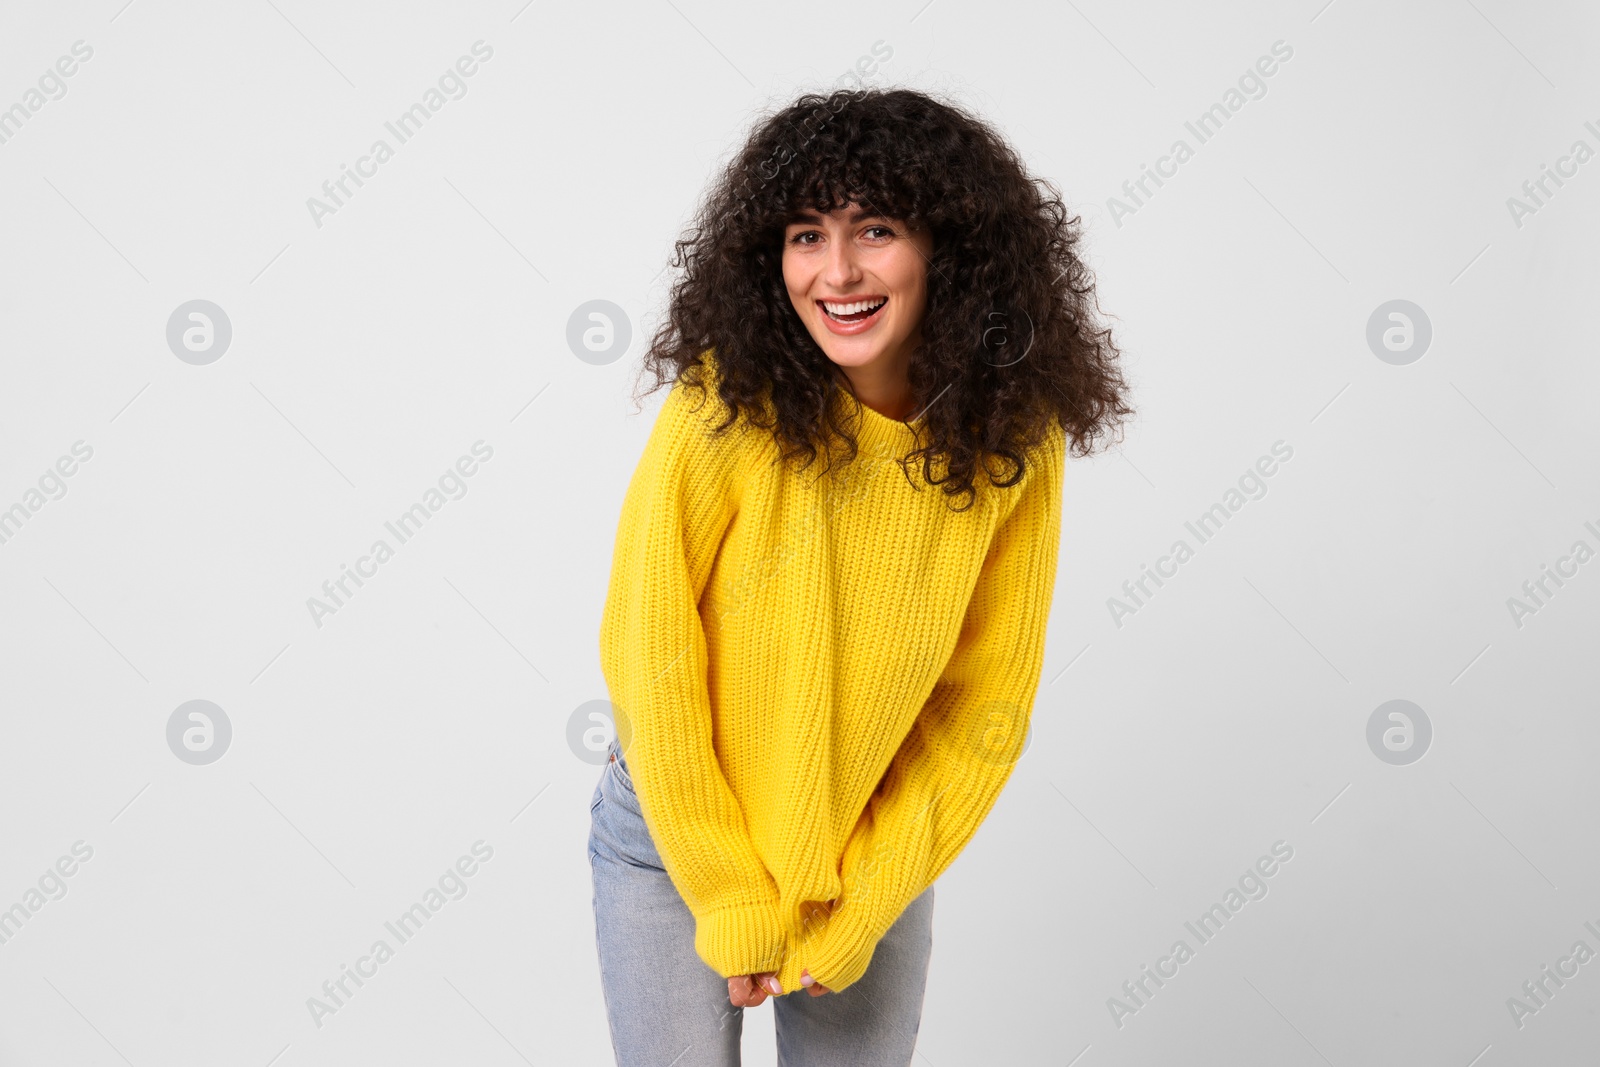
[740,939]
[838,953]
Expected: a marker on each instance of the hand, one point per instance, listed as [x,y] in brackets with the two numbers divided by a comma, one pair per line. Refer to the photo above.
[749,990]
[812,986]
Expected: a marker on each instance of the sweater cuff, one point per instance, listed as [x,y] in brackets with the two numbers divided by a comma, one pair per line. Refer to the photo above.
[838,953]
[740,939]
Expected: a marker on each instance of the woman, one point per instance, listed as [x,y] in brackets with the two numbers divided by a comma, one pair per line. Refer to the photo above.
[833,570]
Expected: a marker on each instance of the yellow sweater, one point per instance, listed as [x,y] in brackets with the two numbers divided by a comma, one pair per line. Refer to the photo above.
[820,685]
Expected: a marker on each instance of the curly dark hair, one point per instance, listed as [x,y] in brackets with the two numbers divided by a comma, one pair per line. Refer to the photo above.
[1004,275]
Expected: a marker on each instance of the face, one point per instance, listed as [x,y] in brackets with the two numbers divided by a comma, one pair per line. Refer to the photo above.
[859,283]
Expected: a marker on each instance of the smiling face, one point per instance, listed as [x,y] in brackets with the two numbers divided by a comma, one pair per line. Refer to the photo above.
[859,282]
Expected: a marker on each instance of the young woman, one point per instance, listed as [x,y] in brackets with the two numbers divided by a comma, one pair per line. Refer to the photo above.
[833,570]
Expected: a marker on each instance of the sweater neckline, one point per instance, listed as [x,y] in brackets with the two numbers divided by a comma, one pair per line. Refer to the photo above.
[877,434]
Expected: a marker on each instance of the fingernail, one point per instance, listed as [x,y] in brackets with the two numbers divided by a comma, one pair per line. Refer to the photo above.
[806,979]
[777,989]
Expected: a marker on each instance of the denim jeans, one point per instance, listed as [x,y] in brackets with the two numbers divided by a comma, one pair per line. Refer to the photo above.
[667,1008]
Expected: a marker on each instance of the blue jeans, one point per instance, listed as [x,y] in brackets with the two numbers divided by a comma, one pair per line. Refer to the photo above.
[667,1008]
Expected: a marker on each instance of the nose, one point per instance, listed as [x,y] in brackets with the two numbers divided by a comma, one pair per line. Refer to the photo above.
[842,269]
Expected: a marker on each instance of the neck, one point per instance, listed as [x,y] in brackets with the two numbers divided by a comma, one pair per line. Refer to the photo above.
[885,389]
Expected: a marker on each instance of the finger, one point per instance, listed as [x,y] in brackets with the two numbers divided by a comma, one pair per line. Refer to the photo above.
[743,992]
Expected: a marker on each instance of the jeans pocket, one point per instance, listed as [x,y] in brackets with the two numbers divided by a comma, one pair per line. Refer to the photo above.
[620,769]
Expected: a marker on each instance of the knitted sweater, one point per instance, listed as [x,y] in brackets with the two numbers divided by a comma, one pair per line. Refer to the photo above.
[821,683]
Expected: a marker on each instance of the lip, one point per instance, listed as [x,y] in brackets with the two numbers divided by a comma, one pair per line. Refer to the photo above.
[848,328]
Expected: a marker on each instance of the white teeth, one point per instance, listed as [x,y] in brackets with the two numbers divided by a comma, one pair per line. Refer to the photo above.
[851,309]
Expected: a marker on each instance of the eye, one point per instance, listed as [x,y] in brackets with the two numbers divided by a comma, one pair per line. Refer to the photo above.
[886,231]
[800,238]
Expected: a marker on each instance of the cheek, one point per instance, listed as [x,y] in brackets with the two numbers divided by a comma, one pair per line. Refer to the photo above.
[911,272]
[913,300]
[793,276]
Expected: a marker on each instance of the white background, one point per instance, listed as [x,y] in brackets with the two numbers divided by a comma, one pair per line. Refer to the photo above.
[433,709]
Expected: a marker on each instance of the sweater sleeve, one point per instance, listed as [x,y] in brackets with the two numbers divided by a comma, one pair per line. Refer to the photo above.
[680,502]
[960,751]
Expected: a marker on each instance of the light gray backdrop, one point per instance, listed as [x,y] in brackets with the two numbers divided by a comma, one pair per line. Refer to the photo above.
[1360,259]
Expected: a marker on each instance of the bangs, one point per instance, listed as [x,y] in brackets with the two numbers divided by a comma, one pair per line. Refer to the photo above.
[834,164]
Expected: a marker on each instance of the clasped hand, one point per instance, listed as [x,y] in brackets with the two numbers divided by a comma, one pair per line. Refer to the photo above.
[749,990]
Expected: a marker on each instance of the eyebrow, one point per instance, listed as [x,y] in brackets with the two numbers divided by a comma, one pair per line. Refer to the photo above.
[859,214]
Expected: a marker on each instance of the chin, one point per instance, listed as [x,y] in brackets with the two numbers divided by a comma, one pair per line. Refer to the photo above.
[851,359]
[850,355]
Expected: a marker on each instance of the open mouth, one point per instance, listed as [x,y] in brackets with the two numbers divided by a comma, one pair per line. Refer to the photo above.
[855,312]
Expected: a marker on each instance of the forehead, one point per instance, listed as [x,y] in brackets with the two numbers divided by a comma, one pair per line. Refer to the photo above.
[849,213]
